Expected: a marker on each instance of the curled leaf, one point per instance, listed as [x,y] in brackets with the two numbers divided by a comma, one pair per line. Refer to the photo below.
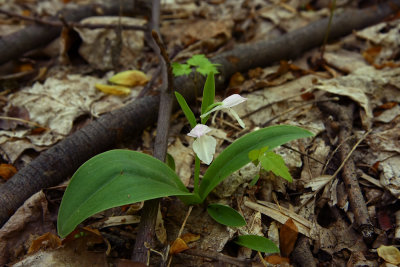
[129,78]
[113,89]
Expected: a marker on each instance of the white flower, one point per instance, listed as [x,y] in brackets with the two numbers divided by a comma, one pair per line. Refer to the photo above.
[204,145]
[228,103]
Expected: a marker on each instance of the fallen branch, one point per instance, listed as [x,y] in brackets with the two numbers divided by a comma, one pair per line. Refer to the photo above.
[14,45]
[56,164]
[345,115]
[72,23]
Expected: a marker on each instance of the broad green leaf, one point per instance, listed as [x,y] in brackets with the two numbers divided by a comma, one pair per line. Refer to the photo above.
[225,215]
[271,161]
[208,95]
[258,243]
[111,179]
[236,155]
[186,109]
[202,64]
[180,69]
[169,160]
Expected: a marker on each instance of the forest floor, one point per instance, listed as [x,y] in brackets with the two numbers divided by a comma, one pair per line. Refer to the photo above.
[341,209]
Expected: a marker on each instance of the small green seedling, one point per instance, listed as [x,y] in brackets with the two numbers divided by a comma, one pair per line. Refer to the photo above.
[120,177]
[200,62]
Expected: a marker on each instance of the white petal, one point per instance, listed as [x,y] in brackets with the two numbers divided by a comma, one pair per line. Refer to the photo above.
[199,130]
[233,100]
[204,147]
[236,116]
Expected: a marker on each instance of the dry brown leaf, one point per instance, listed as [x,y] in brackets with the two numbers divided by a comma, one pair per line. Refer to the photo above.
[276,259]
[178,246]
[288,237]
[7,171]
[31,219]
[189,237]
[46,241]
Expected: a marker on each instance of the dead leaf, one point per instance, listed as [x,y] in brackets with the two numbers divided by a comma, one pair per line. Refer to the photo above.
[236,79]
[113,89]
[31,219]
[178,246]
[389,253]
[276,259]
[189,237]
[46,241]
[17,112]
[98,45]
[129,78]
[7,171]
[371,53]
[183,157]
[161,232]
[288,237]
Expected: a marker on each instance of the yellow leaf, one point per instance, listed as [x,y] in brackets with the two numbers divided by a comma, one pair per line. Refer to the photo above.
[129,78]
[178,246]
[189,237]
[389,254]
[113,89]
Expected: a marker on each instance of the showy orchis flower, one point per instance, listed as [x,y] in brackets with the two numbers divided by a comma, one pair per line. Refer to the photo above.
[228,103]
[204,145]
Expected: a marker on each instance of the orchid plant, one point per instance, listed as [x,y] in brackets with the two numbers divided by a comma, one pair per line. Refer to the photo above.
[120,177]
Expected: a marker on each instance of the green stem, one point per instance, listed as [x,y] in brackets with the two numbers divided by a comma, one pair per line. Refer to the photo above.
[196,175]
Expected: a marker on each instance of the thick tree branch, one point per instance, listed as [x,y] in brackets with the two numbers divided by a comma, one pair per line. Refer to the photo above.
[60,161]
[14,45]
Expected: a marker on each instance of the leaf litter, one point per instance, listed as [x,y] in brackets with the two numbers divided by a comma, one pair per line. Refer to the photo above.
[368,78]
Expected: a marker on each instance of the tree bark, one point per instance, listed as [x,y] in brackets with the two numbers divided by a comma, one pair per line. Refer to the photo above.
[56,164]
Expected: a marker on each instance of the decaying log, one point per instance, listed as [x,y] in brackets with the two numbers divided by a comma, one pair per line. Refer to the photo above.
[56,164]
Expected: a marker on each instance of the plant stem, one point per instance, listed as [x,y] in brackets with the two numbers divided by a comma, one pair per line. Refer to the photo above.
[196,175]
[332,11]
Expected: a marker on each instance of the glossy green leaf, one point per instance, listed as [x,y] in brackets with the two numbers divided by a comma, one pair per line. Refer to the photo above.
[258,243]
[236,155]
[208,95]
[111,179]
[225,215]
[179,69]
[271,161]
[186,109]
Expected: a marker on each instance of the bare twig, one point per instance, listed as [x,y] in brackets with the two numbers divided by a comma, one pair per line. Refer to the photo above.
[150,209]
[349,175]
[218,257]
